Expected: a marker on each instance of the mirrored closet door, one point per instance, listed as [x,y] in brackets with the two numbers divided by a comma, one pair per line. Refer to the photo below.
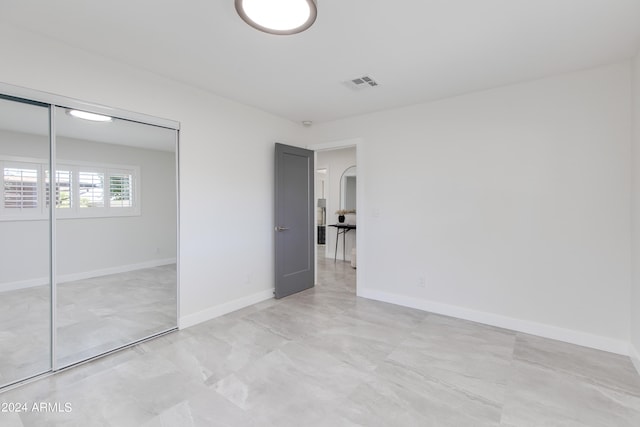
[25,288]
[115,233]
[88,231]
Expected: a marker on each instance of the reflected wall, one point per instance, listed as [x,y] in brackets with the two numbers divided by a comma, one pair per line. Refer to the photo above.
[25,289]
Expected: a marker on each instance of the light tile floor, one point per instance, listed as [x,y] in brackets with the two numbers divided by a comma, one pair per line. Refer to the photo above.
[326,358]
[93,316]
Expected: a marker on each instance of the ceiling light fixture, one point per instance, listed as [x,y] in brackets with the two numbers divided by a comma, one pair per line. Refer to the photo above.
[280,17]
[90,116]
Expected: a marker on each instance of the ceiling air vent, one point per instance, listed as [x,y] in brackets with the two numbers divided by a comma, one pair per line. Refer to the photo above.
[364,82]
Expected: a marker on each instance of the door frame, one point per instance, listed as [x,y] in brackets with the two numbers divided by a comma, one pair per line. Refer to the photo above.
[315,195]
[358,144]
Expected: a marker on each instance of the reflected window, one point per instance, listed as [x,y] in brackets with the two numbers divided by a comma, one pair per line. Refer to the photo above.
[63,189]
[81,190]
[121,190]
[91,189]
[21,187]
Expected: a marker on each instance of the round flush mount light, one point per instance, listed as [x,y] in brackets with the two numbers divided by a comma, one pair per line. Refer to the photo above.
[89,116]
[280,17]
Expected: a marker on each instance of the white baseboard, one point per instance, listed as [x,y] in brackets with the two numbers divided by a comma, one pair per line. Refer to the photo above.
[542,330]
[635,357]
[23,284]
[115,270]
[225,308]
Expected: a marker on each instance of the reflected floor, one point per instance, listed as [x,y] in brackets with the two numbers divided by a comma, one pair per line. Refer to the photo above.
[94,316]
[324,357]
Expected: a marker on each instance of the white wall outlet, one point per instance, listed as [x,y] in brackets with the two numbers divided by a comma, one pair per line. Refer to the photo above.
[422,281]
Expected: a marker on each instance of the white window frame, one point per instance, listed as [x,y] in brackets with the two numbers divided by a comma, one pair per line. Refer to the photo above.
[75,211]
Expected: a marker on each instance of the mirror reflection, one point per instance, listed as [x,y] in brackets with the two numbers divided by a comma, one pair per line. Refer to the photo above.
[112,188]
[115,198]
[348,189]
[25,290]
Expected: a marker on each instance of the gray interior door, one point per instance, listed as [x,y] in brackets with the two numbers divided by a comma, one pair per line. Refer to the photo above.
[293,220]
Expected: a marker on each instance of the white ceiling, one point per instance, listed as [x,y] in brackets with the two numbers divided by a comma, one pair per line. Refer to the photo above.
[417,50]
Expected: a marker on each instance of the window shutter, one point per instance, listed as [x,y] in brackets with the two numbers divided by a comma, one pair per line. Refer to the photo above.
[63,189]
[20,187]
[91,189]
[121,190]
[81,190]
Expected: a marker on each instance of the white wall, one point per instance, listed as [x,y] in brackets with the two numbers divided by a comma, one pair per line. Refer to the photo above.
[635,295]
[513,203]
[92,245]
[336,161]
[118,241]
[24,245]
[226,165]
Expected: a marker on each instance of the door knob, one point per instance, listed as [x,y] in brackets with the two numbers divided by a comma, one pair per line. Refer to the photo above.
[278,228]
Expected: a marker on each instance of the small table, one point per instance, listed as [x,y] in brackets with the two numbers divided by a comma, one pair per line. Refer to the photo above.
[341,229]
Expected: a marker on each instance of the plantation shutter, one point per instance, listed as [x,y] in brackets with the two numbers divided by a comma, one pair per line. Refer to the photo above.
[20,187]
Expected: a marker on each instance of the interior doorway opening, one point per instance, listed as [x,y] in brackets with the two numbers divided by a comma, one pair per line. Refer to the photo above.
[338,202]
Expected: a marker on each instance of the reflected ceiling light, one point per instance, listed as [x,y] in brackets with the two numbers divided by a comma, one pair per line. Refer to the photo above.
[90,116]
[278,16]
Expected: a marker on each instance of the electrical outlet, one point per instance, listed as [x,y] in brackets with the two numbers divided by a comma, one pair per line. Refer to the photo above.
[422,282]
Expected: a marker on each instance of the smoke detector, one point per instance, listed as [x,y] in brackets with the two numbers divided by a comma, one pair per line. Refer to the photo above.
[359,83]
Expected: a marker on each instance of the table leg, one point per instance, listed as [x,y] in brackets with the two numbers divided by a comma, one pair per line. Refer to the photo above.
[344,244]
[335,254]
